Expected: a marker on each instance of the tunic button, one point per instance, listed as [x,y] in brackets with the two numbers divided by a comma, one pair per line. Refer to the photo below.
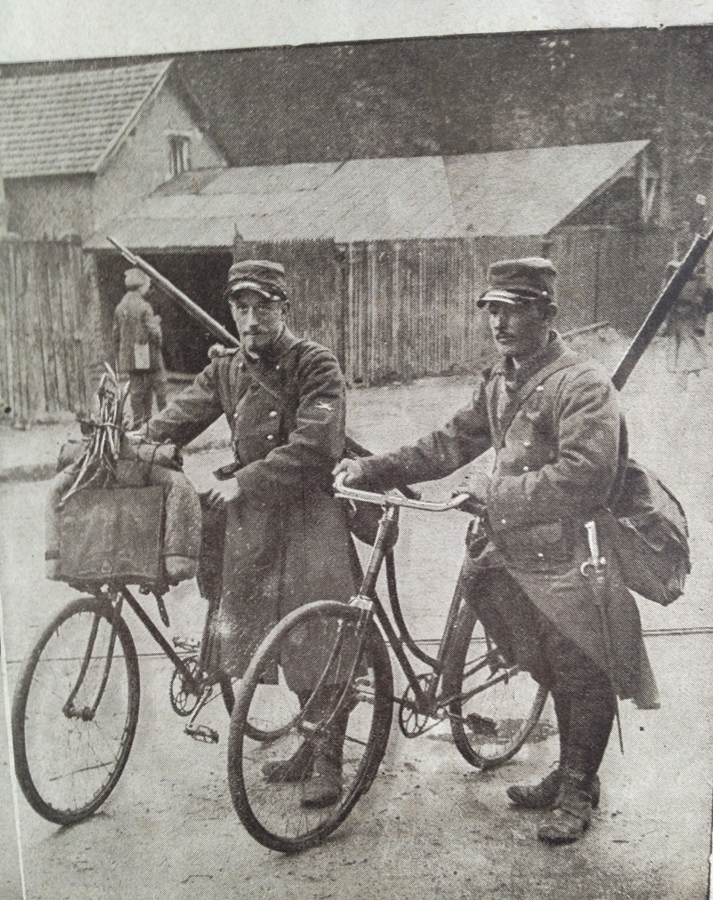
[525,468]
[541,555]
[273,413]
[503,521]
[277,367]
[527,443]
[270,437]
[540,388]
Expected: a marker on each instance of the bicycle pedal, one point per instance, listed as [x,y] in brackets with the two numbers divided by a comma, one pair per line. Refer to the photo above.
[481,726]
[364,689]
[186,644]
[202,733]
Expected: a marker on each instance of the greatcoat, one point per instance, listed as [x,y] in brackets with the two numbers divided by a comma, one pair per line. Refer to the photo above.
[135,323]
[557,458]
[286,541]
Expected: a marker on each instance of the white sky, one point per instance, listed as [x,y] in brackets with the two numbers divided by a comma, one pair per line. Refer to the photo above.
[64,29]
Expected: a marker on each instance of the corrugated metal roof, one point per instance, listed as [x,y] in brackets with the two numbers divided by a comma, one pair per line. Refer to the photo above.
[520,192]
[64,124]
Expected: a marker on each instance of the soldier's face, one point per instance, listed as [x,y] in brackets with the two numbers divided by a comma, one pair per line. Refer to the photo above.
[259,321]
[519,330]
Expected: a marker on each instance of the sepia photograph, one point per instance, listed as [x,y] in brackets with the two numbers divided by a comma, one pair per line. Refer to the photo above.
[356,498]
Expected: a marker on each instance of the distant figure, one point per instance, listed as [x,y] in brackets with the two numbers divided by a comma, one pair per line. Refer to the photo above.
[137,347]
[686,353]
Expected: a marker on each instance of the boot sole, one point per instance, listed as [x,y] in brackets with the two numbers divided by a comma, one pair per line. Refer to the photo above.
[524,804]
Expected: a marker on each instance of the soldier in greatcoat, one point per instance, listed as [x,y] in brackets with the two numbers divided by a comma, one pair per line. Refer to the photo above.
[137,338]
[282,535]
[555,424]
[687,351]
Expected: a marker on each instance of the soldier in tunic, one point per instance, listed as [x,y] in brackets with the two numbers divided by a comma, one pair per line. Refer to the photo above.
[554,422]
[275,537]
[137,340]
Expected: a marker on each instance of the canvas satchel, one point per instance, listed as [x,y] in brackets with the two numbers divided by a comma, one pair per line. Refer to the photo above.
[142,357]
[649,534]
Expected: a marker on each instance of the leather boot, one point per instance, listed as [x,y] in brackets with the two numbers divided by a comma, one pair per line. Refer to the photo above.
[544,794]
[324,788]
[572,812]
[297,767]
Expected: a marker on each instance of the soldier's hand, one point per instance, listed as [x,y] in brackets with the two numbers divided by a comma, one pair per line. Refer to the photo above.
[477,484]
[353,467]
[224,492]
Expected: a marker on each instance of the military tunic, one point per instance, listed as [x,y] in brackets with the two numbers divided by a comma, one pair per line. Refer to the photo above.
[286,540]
[556,432]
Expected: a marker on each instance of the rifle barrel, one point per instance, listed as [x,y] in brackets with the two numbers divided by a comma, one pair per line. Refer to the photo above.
[174,293]
[660,309]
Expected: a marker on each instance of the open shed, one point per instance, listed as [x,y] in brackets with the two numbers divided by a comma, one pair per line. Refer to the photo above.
[386,257]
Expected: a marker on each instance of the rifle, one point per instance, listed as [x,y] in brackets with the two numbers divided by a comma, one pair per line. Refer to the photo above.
[660,309]
[173,293]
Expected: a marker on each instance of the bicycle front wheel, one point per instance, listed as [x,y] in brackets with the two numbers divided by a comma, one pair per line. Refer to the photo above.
[75,711]
[495,706]
[319,686]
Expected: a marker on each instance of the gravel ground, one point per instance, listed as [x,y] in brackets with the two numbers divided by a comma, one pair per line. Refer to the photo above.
[431,825]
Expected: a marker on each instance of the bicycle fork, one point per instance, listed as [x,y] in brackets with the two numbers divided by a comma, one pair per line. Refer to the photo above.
[87,713]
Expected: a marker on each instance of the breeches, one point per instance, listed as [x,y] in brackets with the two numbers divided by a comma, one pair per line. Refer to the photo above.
[584,700]
[142,387]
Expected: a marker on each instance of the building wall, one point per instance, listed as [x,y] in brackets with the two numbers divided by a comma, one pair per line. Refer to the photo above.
[57,207]
[141,164]
[469,94]
[53,207]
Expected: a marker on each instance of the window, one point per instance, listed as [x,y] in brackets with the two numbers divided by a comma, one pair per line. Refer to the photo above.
[179,153]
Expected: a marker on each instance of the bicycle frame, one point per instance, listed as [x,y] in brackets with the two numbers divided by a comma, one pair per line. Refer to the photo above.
[426,701]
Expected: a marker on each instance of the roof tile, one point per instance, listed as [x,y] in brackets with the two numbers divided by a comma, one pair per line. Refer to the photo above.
[62,124]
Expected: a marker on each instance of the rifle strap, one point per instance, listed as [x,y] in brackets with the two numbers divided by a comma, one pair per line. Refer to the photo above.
[499,428]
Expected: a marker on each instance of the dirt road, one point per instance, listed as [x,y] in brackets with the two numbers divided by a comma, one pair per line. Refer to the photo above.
[431,826]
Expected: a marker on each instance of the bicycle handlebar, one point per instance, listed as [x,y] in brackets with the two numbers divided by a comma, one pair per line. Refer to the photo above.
[395,499]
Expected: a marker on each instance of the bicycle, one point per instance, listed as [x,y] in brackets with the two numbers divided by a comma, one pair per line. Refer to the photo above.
[76,704]
[491,704]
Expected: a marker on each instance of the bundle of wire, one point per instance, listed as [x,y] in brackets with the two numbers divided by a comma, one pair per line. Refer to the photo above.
[97,465]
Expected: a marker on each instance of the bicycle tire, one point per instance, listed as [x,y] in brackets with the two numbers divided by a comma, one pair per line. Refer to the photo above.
[272,811]
[490,727]
[227,689]
[67,765]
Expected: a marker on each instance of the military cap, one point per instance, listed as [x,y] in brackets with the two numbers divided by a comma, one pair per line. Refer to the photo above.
[519,281]
[261,275]
[135,278]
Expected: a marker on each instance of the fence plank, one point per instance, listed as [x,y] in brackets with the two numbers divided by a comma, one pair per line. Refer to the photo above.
[44,295]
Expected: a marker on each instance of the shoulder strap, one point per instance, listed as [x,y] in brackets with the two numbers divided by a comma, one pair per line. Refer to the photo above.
[564,361]
[271,389]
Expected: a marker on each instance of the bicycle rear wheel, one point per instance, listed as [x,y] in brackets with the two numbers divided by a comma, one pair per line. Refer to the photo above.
[322,677]
[496,705]
[75,711]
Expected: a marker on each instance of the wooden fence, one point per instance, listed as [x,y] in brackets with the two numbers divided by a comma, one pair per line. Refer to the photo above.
[403,309]
[410,307]
[48,326]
